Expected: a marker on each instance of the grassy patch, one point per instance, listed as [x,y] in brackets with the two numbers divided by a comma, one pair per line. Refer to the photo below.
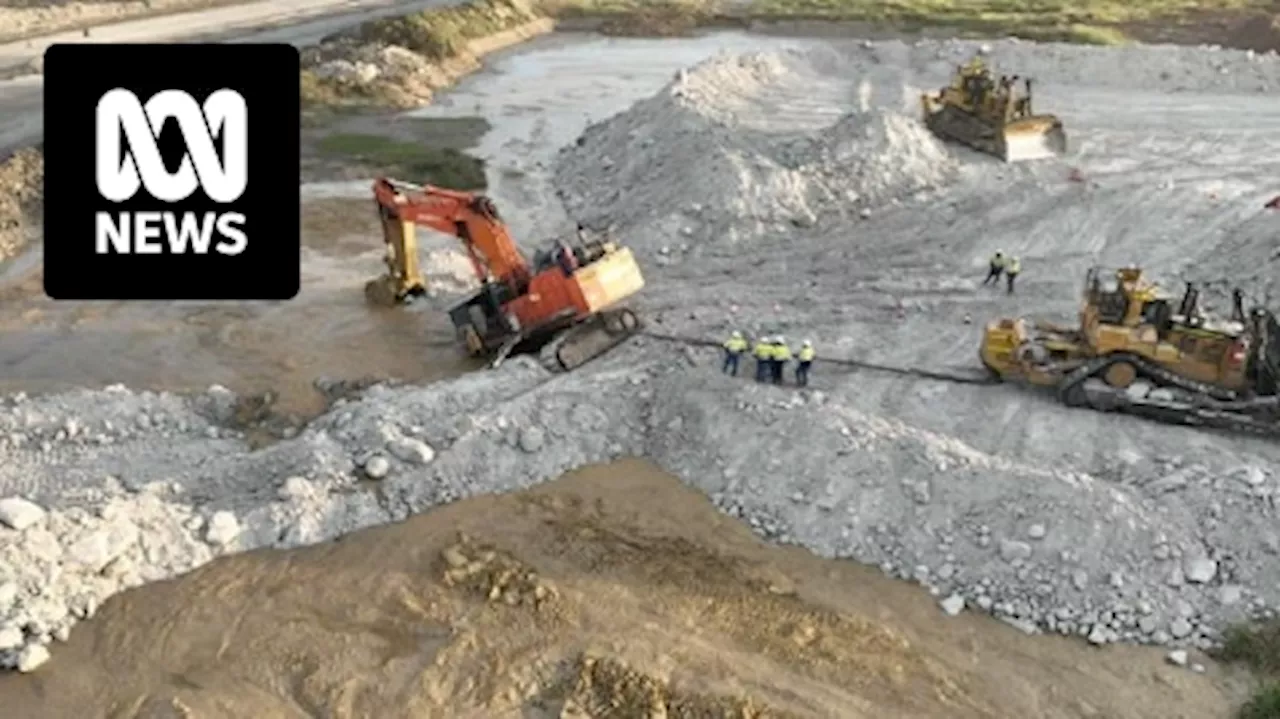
[444,33]
[637,17]
[1257,646]
[1264,704]
[1087,21]
[447,167]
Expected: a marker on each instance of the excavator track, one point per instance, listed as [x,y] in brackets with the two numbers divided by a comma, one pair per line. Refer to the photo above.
[589,339]
[1156,393]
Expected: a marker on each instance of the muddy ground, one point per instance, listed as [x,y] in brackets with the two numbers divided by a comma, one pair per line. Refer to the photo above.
[673,601]
[328,332]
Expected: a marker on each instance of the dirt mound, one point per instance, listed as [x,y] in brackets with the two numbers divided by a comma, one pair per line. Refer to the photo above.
[656,605]
[403,61]
[21,200]
[682,164]
[1260,33]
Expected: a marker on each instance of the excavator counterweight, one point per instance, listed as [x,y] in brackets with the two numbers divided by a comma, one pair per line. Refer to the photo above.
[1135,351]
[567,304]
[992,115]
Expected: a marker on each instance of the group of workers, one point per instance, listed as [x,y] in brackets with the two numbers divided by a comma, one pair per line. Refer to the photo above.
[772,354]
[1002,265]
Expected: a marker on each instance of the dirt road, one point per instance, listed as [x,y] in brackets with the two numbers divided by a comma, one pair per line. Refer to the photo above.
[295,21]
[674,601]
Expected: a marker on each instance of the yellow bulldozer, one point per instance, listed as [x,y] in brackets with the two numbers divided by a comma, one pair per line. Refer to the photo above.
[993,115]
[1136,351]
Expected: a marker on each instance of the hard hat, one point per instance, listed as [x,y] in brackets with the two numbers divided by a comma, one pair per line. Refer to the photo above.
[780,340]
[999,252]
[736,334]
[808,343]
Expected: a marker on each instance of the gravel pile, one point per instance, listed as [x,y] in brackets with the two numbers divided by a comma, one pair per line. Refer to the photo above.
[155,484]
[1058,520]
[682,164]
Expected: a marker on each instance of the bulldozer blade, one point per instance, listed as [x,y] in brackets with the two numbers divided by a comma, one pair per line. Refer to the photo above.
[1034,140]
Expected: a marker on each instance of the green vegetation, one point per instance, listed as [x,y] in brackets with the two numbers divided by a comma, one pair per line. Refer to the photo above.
[638,17]
[444,33]
[1086,21]
[1257,646]
[1265,704]
[447,167]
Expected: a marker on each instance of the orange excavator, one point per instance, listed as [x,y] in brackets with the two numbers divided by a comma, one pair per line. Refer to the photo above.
[566,304]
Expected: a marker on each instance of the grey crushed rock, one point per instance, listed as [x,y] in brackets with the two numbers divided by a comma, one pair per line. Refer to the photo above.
[18,513]
[891,230]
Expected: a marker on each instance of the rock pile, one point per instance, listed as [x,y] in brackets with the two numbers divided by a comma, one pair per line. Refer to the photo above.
[101,491]
[682,164]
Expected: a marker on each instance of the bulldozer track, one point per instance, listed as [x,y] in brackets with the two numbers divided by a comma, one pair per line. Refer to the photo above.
[1206,406]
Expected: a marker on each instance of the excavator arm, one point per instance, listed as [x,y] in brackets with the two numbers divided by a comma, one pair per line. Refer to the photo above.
[472,218]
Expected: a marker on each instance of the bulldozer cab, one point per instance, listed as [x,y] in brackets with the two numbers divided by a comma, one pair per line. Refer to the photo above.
[997,100]
[1122,312]
[1122,298]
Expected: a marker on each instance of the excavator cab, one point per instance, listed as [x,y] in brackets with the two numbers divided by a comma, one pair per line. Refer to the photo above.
[567,304]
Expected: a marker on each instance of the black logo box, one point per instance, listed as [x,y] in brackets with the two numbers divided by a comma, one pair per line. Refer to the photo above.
[75,78]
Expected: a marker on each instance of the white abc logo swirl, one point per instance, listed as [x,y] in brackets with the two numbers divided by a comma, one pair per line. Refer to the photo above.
[120,173]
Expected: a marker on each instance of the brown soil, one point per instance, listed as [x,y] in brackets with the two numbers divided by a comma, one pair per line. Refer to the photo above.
[612,592]
[1242,30]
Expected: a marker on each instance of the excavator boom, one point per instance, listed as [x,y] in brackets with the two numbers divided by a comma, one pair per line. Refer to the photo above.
[566,303]
[472,218]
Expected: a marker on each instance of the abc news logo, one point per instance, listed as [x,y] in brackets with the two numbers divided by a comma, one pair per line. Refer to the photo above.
[175,168]
[121,172]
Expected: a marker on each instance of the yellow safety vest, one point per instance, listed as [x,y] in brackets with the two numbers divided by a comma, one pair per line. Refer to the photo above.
[763,350]
[1014,267]
[999,261]
[781,353]
[735,345]
[807,354]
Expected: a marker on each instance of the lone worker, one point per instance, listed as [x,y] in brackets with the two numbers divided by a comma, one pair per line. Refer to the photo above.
[804,361]
[781,356]
[1011,271]
[733,349]
[995,269]
[763,353]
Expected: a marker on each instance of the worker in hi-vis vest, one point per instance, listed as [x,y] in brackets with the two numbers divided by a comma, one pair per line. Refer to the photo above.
[734,347]
[804,360]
